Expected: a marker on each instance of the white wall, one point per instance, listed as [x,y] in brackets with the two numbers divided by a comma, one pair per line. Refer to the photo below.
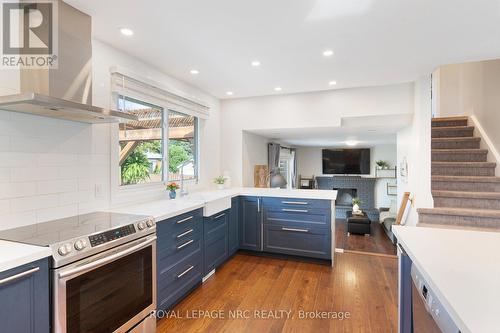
[254,153]
[106,57]
[308,110]
[472,89]
[50,168]
[309,162]
[414,145]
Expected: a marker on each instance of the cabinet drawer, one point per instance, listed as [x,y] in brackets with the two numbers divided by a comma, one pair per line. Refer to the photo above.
[215,222]
[216,250]
[181,235]
[180,223]
[298,216]
[296,203]
[178,280]
[306,241]
[24,298]
[177,251]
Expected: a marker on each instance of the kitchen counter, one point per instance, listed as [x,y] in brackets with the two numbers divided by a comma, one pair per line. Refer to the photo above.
[463,268]
[165,208]
[17,254]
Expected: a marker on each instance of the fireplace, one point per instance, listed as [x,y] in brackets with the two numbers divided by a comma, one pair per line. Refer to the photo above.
[345,196]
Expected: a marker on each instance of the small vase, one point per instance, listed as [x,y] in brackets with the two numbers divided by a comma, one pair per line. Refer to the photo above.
[355,208]
[220,186]
[172,194]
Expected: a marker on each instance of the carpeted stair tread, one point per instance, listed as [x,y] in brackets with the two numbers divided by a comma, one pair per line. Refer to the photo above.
[465,164]
[471,179]
[463,194]
[490,213]
[452,226]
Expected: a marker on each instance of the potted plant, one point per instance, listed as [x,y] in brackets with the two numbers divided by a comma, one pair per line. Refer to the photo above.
[382,165]
[172,187]
[355,204]
[220,181]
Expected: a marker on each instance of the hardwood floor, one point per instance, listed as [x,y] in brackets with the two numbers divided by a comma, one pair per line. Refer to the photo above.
[377,242]
[363,286]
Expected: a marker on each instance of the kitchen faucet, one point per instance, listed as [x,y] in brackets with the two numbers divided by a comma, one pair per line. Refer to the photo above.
[184,192]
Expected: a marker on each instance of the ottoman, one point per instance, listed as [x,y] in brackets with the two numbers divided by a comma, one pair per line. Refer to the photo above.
[358,224]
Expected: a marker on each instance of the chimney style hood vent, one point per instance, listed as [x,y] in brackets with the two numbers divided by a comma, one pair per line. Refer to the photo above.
[64,92]
[42,105]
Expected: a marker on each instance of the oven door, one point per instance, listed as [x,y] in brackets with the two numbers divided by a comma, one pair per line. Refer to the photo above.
[112,291]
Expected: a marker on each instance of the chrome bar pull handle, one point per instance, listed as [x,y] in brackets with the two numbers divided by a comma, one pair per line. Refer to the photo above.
[19,275]
[294,229]
[185,233]
[185,244]
[184,220]
[185,272]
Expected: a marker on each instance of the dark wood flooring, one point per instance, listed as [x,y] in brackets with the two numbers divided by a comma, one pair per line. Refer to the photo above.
[377,242]
[362,285]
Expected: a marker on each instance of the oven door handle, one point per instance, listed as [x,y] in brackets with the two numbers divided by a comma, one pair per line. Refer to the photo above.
[105,260]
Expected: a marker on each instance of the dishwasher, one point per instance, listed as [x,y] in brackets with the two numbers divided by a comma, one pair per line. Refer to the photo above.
[420,310]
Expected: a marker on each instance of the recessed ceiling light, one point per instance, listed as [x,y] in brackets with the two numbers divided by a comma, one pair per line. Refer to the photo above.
[255,63]
[229,93]
[194,72]
[351,143]
[332,83]
[126,31]
[327,53]
[277,88]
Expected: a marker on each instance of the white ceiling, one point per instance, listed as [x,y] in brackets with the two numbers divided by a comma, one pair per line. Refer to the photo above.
[364,131]
[375,41]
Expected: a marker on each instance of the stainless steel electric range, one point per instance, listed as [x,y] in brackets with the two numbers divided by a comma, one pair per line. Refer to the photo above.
[103,270]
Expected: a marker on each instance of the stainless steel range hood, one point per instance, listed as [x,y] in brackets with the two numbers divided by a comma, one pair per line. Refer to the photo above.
[42,105]
[64,92]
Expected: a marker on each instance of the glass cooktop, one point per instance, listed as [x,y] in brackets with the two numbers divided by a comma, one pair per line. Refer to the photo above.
[52,232]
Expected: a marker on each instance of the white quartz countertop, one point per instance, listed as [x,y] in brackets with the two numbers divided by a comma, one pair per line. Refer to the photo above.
[17,254]
[165,208]
[463,268]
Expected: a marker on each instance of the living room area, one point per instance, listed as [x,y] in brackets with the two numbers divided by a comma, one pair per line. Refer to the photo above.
[359,160]
[364,174]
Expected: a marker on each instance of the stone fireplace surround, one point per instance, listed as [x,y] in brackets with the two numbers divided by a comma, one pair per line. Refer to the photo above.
[363,187]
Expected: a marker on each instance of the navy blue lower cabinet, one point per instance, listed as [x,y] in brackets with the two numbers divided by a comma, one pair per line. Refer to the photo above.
[299,227]
[232,226]
[250,223]
[24,298]
[306,241]
[215,240]
[179,257]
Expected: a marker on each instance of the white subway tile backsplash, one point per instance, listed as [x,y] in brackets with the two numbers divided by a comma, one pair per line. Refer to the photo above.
[4,207]
[57,186]
[49,168]
[15,159]
[34,173]
[17,220]
[4,175]
[57,159]
[47,214]
[4,143]
[75,197]
[34,202]
[17,190]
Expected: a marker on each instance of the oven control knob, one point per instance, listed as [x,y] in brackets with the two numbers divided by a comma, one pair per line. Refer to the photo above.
[141,225]
[64,249]
[80,244]
[150,223]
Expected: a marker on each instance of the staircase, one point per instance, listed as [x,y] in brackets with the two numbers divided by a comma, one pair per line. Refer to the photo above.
[465,190]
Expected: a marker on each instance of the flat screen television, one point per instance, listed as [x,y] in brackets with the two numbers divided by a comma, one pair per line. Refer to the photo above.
[346,161]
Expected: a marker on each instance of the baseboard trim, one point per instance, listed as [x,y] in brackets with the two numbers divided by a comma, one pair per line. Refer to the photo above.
[487,143]
[372,254]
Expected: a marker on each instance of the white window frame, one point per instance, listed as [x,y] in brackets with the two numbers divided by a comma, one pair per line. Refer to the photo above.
[124,193]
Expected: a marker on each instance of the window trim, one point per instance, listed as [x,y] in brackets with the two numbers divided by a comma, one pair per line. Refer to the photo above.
[196,151]
[118,191]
